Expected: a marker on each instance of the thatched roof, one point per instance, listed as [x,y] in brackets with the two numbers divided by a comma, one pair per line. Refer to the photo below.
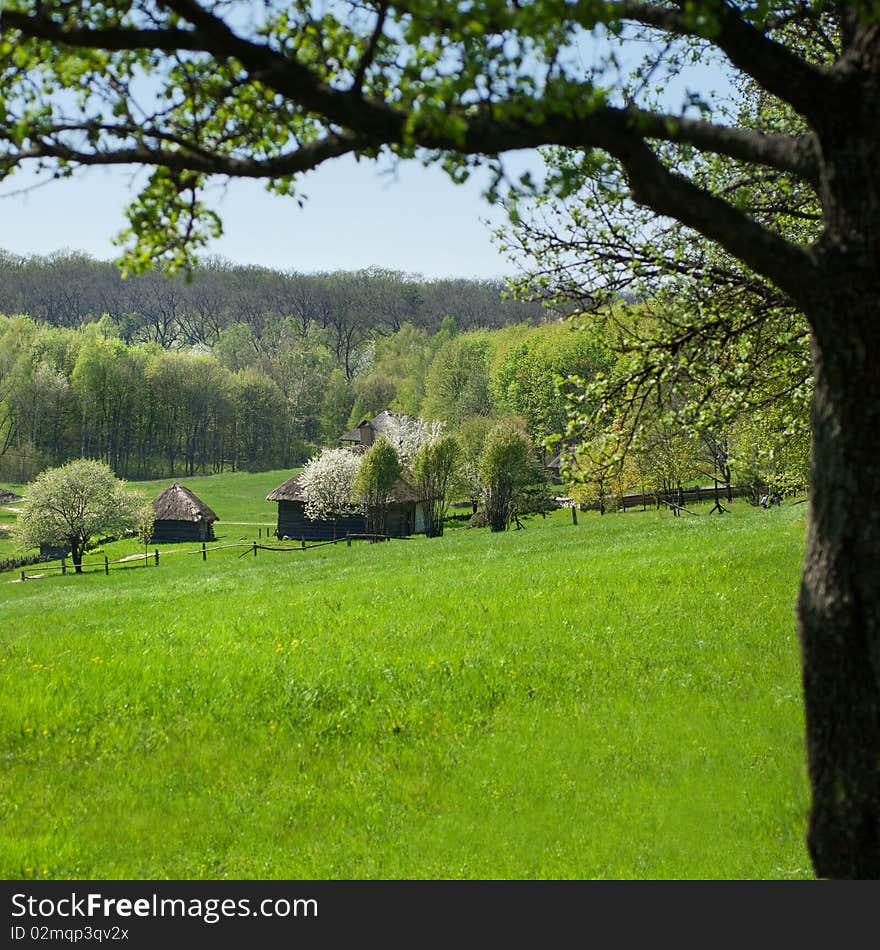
[291,490]
[287,491]
[178,503]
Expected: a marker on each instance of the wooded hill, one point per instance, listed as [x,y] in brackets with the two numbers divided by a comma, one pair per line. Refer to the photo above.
[68,289]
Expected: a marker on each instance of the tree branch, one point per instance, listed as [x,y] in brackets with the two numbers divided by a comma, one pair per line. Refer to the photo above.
[775,67]
[40,27]
[192,159]
[796,154]
[790,267]
[791,153]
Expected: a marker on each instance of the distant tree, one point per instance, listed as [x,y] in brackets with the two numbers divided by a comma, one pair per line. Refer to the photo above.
[433,469]
[600,467]
[525,380]
[505,467]
[327,483]
[471,435]
[336,406]
[70,505]
[374,393]
[374,484]
[457,385]
[235,347]
[405,357]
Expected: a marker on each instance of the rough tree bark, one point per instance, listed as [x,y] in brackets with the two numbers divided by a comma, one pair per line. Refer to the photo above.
[839,601]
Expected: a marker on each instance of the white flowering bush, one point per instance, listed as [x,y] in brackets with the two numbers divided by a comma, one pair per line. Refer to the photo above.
[408,435]
[327,481]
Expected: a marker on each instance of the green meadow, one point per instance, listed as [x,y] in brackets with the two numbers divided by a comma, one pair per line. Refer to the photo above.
[614,699]
[238,498]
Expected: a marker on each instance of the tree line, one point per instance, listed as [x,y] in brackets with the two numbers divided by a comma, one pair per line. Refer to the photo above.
[220,299]
[147,411]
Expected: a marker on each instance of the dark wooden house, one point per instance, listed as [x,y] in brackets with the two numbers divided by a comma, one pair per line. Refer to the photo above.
[405,516]
[181,516]
[364,434]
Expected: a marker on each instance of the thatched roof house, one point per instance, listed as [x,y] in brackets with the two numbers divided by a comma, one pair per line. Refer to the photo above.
[405,515]
[181,516]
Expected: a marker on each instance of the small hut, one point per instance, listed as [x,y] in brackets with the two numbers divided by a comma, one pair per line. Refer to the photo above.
[404,517]
[180,516]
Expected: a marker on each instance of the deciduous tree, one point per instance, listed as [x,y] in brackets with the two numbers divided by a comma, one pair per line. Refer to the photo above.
[434,469]
[375,481]
[506,466]
[68,506]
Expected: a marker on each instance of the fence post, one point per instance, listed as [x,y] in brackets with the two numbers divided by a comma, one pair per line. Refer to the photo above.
[157,557]
[106,565]
[63,567]
[255,548]
[303,543]
[347,540]
[259,532]
[204,552]
[574,514]
[23,577]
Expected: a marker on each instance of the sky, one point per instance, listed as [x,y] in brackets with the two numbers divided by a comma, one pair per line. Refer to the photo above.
[356,216]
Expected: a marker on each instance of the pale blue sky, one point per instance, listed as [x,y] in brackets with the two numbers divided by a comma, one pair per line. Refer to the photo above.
[418,221]
[357,216]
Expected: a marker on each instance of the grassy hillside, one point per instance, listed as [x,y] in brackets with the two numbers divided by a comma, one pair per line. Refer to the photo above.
[619,698]
[238,498]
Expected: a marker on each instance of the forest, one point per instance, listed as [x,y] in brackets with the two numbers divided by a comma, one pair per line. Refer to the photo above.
[238,367]
[249,369]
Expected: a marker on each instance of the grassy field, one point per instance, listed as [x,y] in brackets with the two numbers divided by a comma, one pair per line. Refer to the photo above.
[238,498]
[616,699]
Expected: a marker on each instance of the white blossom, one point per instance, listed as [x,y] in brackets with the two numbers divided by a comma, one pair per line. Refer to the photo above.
[408,435]
[326,482]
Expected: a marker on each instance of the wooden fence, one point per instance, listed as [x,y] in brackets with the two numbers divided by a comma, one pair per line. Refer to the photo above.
[152,558]
[675,496]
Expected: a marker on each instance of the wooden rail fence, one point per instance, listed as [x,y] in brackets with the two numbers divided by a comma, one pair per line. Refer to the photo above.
[148,558]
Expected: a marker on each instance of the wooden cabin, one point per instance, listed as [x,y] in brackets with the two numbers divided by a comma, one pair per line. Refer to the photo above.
[180,516]
[405,516]
[364,434]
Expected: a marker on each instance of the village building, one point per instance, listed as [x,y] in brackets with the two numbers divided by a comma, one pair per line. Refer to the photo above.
[180,516]
[365,433]
[405,515]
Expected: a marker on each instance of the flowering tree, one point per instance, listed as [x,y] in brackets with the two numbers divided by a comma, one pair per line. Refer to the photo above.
[327,482]
[408,435]
[68,506]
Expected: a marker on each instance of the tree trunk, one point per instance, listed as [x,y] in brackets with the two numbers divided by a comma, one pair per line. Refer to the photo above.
[839,602]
